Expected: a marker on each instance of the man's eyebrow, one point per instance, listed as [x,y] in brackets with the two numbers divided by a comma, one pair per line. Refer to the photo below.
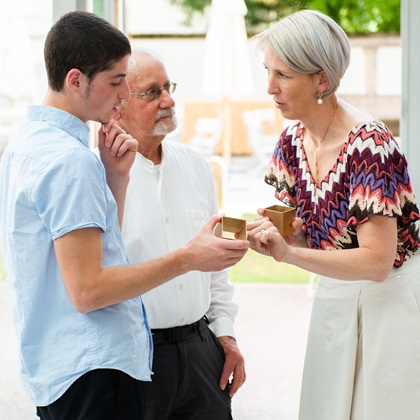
[155,84]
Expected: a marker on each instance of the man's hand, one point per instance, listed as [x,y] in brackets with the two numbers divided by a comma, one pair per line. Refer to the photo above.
[234,365]
[117,149]
[206,252]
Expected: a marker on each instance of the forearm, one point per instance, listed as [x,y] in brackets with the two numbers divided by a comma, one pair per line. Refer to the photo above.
[91,286]
[118,186]
[373,259]
[349,264]
[111,285]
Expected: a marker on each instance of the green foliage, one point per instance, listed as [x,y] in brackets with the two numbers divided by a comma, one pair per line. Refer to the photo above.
[191,7]
[257,268]
[362,16]
[99,7]
[354,16]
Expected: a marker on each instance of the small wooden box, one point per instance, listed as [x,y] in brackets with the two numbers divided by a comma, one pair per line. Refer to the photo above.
[229,226]
[281,217]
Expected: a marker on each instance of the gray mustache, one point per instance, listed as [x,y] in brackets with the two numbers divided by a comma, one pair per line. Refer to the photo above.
[164,114]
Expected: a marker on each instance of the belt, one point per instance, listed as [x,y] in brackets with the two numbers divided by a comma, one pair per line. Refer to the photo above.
[178,334]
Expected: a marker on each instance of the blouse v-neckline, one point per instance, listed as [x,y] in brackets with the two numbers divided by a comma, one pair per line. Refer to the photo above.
[308,168]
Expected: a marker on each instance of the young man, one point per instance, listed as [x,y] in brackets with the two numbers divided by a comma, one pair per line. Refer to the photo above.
[84,341]
[170,196]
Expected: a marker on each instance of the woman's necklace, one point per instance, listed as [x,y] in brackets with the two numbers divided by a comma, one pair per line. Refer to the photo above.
[319,143]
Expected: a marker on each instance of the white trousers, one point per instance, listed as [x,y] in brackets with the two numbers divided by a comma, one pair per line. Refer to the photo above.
[363,352]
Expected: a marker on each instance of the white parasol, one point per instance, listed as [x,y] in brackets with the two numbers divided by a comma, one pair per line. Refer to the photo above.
[227,67]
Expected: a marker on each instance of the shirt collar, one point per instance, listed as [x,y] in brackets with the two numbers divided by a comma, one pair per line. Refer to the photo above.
[148,163]
[68,122]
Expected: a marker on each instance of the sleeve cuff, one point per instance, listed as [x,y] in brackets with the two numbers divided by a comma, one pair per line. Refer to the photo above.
[222,326]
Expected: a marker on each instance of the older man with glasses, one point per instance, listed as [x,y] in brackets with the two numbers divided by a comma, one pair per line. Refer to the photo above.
[197,365]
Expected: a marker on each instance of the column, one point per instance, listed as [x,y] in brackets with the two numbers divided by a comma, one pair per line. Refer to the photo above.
[410,95]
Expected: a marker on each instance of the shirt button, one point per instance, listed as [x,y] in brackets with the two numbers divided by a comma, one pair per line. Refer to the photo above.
[182,319]
[181,286]
[167,219]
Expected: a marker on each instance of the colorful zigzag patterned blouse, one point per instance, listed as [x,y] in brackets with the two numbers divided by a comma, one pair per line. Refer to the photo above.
[369,178]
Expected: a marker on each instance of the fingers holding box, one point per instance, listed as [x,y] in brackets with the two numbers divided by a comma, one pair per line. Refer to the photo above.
[231,228]
[282,217]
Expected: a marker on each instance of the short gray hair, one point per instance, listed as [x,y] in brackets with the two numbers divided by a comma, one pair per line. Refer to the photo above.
[308,42]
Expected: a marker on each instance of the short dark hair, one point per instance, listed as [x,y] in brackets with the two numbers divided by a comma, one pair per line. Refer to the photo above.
[84,41]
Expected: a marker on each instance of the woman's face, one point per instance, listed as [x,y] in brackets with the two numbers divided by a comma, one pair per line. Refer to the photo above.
[294,94]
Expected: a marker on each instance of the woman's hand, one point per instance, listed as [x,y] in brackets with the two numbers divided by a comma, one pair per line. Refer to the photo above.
[265,239]
[297,238]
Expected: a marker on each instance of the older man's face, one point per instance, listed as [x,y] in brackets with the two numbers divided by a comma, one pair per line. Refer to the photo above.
[147,116]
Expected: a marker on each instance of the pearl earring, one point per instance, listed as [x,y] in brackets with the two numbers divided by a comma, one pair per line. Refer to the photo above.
[320,101]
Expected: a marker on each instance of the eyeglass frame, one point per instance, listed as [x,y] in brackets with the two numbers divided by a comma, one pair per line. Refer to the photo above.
[156,92]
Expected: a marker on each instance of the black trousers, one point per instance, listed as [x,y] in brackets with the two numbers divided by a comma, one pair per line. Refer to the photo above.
[187,365]
[103,394]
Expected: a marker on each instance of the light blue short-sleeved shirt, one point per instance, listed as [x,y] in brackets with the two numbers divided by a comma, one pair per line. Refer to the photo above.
[52,184]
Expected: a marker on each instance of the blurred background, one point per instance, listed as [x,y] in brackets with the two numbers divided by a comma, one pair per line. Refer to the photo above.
[225,113]
[210,72]
[221,101]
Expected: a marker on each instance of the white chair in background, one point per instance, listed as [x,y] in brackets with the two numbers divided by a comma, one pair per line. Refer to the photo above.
[258,123]
[208,132]
[220,176]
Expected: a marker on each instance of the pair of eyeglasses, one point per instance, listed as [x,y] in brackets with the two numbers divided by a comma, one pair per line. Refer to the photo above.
[153,94]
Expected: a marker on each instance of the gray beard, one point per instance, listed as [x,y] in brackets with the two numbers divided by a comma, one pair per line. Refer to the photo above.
[165,126]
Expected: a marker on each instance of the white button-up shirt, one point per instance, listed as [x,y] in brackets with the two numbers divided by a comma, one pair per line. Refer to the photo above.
[166,206]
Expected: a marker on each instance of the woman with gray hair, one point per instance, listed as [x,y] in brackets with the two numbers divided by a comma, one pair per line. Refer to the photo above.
[356,226]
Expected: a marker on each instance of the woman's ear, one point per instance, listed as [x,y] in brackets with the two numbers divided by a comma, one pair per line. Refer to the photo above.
[323,81]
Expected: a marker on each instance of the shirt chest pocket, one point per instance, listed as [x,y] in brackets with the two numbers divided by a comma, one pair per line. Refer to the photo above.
[195,220]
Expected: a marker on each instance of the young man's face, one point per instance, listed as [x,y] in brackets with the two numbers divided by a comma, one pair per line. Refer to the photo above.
[106,91]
